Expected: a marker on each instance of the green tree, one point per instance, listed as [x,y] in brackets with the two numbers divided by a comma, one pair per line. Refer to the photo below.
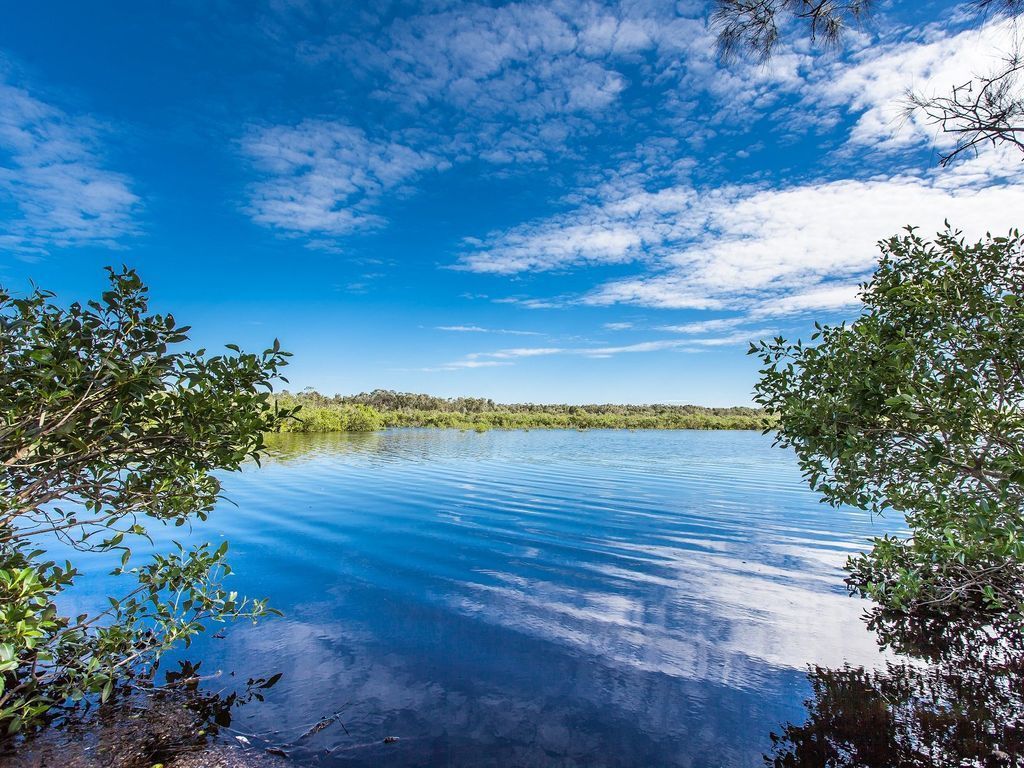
[104,430]
[918,406]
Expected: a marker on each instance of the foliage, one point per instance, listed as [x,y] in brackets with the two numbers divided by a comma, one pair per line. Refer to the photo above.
[363,418]
[104,430]
[331,418]
[917,407]
[383,408]
[754,24]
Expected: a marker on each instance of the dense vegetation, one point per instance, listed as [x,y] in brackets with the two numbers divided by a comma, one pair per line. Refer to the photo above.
[918,406]
[105,430]
[382,408]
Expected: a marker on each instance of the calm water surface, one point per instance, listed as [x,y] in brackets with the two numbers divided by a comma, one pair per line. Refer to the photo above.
[548,598]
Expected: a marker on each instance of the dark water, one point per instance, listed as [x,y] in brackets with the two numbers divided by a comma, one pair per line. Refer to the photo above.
[552,598]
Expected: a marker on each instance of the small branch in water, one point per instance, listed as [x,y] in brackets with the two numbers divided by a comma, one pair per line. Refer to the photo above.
[323,723]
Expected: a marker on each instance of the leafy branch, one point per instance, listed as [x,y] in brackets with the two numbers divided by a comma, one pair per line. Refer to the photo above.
[107,426]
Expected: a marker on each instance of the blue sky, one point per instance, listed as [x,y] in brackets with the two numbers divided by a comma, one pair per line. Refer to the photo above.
[533,201]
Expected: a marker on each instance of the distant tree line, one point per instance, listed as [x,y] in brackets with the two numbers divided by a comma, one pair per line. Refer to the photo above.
[381,408]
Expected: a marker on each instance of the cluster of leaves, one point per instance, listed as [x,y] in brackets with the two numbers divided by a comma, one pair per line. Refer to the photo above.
[918,406]
[104,430]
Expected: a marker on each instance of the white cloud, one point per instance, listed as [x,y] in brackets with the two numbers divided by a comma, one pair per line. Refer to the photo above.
[642,346]
[760,250]
[757,248]
[55,180]
[705,326]
[616,231]
[525,248]
[528,303]
[506,356]
[739,337]
[829,298]
[618,326]
[529,60]
[780,251]
[326,177]
[518,352]
[875,84]
[479,329]
[519,83]
[459,364]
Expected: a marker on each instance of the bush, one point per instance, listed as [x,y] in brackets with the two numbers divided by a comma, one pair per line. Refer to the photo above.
[362,418]
[918,406]
[104,430]
[315,419]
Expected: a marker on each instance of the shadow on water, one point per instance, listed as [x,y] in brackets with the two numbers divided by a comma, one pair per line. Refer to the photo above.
[181,718]
[954,697]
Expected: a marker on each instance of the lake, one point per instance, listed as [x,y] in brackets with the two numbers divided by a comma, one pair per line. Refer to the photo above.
[542,598]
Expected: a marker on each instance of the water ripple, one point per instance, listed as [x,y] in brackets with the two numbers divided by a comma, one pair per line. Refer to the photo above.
[541,598]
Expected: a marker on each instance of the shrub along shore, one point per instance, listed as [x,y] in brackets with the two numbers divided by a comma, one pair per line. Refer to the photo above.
[379,409]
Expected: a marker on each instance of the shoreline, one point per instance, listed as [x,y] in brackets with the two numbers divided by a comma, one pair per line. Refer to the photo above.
[368,412]
[540,428]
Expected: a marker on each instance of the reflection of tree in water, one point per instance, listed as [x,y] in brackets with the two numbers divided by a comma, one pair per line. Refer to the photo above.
[142,725]
[958,701]
[393,446]
[288,447]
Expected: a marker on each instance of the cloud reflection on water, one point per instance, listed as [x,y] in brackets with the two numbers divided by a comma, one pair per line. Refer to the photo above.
[541,598]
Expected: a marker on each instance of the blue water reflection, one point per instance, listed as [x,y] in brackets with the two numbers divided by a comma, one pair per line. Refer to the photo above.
[550,598]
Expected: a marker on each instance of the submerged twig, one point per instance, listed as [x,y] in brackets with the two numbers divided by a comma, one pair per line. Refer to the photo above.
[323,723]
